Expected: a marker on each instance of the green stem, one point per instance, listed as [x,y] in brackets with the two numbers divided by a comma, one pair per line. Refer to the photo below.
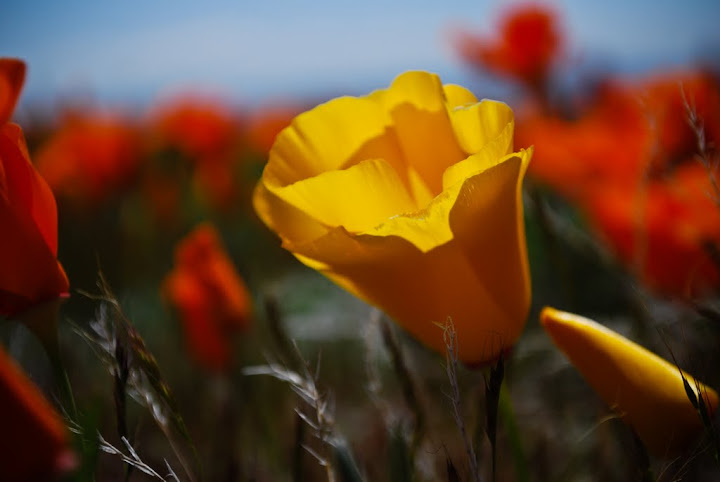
[493,388]
[507,417]
[63,380]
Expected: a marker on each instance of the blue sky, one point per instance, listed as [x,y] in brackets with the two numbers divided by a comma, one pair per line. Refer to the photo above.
[258,49]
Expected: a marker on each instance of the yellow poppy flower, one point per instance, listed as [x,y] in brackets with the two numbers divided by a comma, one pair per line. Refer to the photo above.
[409,198]
[645,390]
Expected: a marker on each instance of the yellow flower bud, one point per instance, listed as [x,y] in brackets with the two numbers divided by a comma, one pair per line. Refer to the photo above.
[647,392]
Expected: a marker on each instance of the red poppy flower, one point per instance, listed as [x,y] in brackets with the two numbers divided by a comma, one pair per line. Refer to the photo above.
[34,442]
[609,143]
[527,44]
[195,126]
[90,157]
[666,99]
[208,135]
[630,161]
[209,295]
[662,232]
[30,272]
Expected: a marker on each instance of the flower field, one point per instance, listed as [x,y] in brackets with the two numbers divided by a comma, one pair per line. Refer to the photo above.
[415,283]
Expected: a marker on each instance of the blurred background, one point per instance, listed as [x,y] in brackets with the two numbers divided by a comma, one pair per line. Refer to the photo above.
[134,51]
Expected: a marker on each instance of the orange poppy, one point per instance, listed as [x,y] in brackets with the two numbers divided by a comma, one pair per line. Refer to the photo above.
[627,133]
[664,97]
[195,126]
[630,162]
[30,271]
[34,443]
[663,232]
[528,43]
[207,134]
[209,295]
[609,143]
[90,157]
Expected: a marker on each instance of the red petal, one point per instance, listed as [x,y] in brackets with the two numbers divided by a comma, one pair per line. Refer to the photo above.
[12,77]
[23,189]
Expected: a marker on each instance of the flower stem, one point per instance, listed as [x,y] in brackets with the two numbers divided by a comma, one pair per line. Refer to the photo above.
[493,385]
[507,417]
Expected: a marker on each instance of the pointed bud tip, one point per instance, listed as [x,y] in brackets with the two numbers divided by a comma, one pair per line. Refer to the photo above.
[550,317]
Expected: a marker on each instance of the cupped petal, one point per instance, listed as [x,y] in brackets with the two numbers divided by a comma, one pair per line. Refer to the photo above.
[433,226]
[488,225]
[646,391]
[417,105]
[22,189]
[487,152]
[482,123]
[486,293]
[28,247]
[458,96]
[30,272]
[357,198]
[290,222]
[12,77]
[334,135]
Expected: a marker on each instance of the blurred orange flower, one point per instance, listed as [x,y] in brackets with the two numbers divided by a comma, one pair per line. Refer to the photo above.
[209,295]
[90,157]
[646,391]
[630,162]
[528,43]
[609,143]
[664,97]
[196,126]
[34,443]
[662,232]
[30,271]
[208,135]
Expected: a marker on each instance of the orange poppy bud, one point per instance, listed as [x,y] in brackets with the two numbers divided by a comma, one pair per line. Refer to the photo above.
[209,295]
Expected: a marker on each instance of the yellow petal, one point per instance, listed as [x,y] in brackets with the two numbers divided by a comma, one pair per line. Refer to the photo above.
[645,390]
[458,96]
[419,190]
[495,194]
[488,225]
[334,135]
[357,198]
[493,152]
[477,125]
[284,218]
[485,293]
[416,103]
